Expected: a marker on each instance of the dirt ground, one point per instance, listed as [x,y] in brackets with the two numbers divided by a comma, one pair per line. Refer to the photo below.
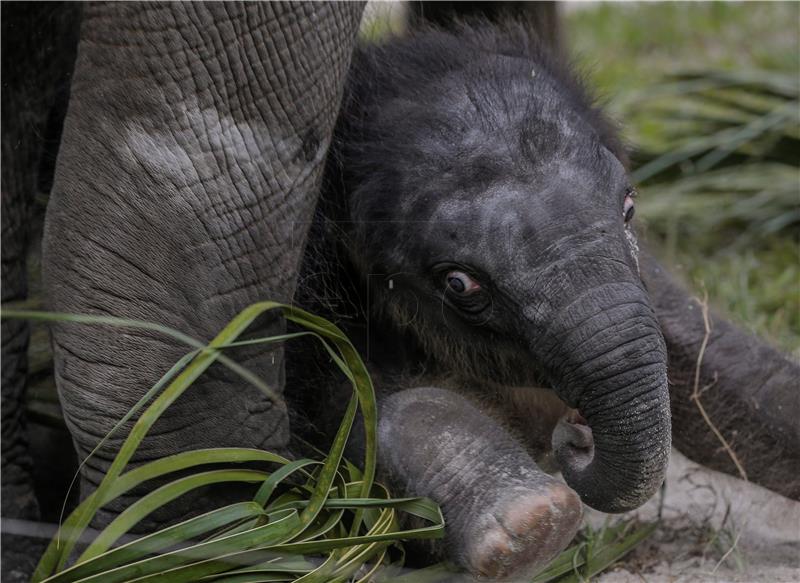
[715,528]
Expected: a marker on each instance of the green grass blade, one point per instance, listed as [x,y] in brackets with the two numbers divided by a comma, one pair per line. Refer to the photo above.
[266,489]
[211,554]
[608,553]
[158,541]
[747,133]
[133,478]
[240,540]
[185,378]
[146,505]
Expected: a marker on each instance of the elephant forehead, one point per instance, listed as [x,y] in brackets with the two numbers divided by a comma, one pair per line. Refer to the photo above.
[562,191]
[513,109]
[443,172]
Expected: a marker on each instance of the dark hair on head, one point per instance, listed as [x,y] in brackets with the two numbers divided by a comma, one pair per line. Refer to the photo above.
[402,67]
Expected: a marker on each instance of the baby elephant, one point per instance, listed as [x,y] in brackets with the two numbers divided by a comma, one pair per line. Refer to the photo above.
[475,238]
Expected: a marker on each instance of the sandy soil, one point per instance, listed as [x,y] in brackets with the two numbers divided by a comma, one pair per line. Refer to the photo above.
[715,528]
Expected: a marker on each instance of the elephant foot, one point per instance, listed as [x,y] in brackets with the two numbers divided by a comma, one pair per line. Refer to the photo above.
[525,532]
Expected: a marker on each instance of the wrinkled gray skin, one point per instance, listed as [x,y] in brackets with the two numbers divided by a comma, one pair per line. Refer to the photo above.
[187,177]
[193,148]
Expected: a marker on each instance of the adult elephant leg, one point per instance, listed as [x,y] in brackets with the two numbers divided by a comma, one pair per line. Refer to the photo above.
[747,389]
[505,516]
[190,163]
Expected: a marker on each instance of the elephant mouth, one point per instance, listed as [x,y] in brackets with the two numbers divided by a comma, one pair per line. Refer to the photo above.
[573,417]
[575,437]
[551,414]
[555,422]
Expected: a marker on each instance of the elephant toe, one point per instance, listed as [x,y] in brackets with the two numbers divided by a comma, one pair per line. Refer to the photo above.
[527,531]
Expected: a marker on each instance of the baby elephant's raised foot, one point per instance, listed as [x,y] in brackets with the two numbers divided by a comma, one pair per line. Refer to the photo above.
[524,532]
[506,518]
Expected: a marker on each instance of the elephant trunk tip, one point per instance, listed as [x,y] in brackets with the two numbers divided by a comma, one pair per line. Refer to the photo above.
[604,477]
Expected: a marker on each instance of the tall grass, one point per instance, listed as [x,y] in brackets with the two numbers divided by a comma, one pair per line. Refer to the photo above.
[728,162]
[722,196]
[707,94]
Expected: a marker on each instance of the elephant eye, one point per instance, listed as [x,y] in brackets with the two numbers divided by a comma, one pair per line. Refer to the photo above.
[628,206]
[460,283]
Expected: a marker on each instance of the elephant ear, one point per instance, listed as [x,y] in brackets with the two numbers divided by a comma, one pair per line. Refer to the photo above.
[734,397]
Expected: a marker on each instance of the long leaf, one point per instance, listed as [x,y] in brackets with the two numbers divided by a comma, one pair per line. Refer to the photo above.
[163,539]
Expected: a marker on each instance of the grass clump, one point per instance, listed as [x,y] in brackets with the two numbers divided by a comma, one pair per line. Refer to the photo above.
[336,524]
[594,551]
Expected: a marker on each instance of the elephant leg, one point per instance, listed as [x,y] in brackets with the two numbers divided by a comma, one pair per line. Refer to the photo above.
[740,415]
[504,515]
[189,169]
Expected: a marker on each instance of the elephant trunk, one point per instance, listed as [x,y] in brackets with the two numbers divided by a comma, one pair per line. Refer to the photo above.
[607,359]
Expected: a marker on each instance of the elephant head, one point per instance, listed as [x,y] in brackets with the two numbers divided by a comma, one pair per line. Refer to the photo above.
[495,198]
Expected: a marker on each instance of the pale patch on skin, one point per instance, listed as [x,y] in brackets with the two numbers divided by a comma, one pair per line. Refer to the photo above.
[229,146]
[160,155]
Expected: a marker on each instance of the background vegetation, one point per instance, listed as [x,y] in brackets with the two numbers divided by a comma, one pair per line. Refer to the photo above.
[676,75]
